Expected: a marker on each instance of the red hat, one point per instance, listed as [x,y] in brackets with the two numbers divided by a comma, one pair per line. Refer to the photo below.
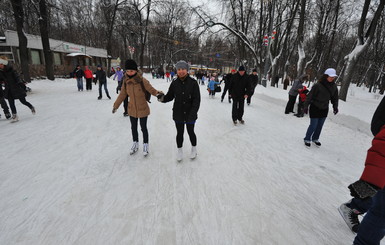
[233,70]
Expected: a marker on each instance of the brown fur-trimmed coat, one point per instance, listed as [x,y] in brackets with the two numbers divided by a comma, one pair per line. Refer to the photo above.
[138,106]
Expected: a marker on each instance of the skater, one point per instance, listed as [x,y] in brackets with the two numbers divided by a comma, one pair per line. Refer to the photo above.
[253,84]
[88,76]
[318,98]
[293,92]
[135,86]
[119,74]
[239,90]
[78,75]
[227,79]
[301,100]
[211,85]
[14,88]
[102,77]
[185,92]
[368,192]
[3,103]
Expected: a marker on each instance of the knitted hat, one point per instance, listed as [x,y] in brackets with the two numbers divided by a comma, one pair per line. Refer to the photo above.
[241,68]
[131,65]
[3,61]
[182,65]
[254,70]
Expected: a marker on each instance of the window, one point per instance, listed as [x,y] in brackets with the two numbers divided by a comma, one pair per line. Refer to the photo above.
[35,57]
[56,58]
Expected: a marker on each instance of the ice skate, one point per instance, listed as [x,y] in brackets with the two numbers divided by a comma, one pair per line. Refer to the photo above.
[179,154]
[134,147]
[145,149]
[15,118]
[193,154]
[350,216]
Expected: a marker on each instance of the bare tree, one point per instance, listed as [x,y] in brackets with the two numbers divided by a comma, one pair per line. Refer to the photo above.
[362,44]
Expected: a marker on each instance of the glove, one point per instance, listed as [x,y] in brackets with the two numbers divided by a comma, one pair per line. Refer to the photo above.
[160,96]
[335,111]
[113,110]
[305,110]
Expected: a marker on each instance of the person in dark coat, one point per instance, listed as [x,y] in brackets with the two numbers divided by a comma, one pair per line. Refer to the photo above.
[368,192]
[186,95]
[293,92]
[102,77]
[4,103]
[253,84]
[239,90]
[14,88]
[227,79]
[318,98]
[79,74]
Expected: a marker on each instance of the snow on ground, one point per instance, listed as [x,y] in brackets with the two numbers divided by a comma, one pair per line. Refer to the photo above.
[67,177]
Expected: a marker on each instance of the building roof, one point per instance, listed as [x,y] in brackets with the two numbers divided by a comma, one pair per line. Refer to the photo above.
[34,42]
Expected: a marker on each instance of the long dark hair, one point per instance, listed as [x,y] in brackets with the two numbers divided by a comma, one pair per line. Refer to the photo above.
[323,78]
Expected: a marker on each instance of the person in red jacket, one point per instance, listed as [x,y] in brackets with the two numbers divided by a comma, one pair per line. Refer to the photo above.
[302,98]
[368,192]
[88,75]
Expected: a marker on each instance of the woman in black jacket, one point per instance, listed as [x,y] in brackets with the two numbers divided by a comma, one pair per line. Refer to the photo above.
[321,93]
[14,88]
[186,95]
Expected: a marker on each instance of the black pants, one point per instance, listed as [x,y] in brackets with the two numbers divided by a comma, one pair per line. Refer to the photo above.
[11,102]
[300,107]
[88,83]
[249,97]
[125,104]
[290,104]
[238,108]
[180,132]
[4,105]
[143,126]
[224,92]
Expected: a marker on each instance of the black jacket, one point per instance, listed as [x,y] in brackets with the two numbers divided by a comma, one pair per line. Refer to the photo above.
[78,73]
[378,119]
[239,86]
[187,99]
[101,76]
[253,81]
[14,87]
[321,93]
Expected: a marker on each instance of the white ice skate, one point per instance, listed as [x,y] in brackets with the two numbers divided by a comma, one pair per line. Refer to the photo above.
[134,148]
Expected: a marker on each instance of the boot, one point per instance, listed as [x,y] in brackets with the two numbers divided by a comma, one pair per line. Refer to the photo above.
[350,216]
[15,118]
[33,110]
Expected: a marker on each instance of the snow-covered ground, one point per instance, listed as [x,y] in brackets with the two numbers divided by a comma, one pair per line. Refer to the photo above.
[66,176]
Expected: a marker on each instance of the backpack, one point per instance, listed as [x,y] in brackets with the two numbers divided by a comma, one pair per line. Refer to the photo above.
[147,94]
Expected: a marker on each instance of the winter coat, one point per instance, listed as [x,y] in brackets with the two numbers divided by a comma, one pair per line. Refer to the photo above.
[253,81]
[374,171]
[378,119]
[321,93]
[78,73]
[187,99]
[138,106]
[302,94]
[240,86]
[14,87]
[119,74]
[297,84]
[212,84]
[88,74]
[101,76]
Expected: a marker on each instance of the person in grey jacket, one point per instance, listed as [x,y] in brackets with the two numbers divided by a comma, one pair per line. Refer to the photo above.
[318,98]
[293,92]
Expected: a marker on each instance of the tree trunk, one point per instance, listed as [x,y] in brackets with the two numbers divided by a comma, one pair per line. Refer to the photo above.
[145,35]
[362,45]
[43,23]
[19,19]
[301,52]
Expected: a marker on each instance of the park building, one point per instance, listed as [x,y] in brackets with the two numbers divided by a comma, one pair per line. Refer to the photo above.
[66,55]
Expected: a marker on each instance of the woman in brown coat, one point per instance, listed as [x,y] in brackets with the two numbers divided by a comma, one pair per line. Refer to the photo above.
[135,86]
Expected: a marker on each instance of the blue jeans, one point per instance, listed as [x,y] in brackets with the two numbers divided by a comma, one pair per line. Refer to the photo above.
[80,83]
[314,129]
[372,227]
[105,89]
